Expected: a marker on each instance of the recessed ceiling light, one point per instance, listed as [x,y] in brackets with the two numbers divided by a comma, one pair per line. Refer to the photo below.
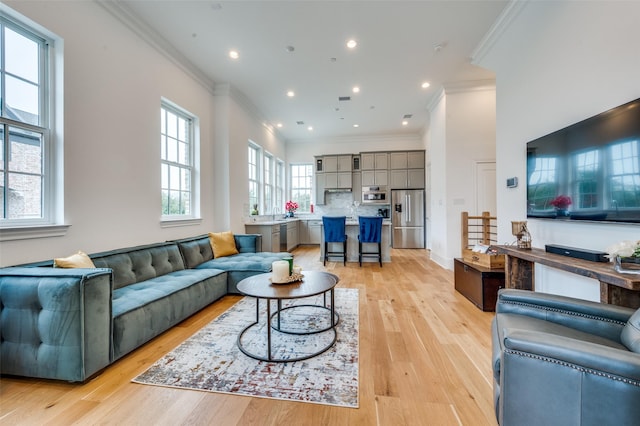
[356,125]
[356,89]
[233,54]
[351,44]
[405,122]
[279,125]
[291,93]
[425,84]
[290,49]
[310,128]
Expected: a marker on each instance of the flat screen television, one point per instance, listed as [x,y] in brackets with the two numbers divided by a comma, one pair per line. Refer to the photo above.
[589,170]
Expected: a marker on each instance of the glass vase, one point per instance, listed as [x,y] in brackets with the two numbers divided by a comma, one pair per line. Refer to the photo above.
[627,265]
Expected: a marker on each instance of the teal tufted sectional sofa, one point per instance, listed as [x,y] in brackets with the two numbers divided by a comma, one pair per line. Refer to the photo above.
[68,324]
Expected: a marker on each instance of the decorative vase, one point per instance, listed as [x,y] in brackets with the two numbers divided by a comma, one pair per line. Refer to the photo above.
[627,265]
[290,214]
[562,213]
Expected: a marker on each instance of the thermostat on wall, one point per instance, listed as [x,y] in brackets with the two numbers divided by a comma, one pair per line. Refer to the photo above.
[512,182]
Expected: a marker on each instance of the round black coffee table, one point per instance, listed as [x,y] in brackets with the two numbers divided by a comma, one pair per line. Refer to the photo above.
[314,283]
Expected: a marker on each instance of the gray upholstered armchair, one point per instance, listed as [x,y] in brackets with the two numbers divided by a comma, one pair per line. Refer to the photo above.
[564,361]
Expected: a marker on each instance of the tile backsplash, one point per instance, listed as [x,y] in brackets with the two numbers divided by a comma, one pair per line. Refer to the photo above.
[341,204]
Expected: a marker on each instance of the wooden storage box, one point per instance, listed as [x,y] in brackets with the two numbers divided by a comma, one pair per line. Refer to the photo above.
[491,261]
[478,284]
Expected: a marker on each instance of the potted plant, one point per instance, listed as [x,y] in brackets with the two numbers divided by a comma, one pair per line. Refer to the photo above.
[625,256]
[561,204]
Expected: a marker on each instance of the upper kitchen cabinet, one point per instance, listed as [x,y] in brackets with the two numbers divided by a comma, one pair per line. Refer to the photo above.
[375,177]
[415,160]
[374,160]
[337,171]
[406,160]
[407,170]
[320,188]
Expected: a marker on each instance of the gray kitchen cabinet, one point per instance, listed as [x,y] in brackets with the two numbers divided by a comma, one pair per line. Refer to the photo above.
[374,160]
[403,179]
[375,178]
[330,163]
[356,180]
[320,188]
[270,235]
[344,163]
[415,178]
[415,160]
[303,231]
[315,231]
[398,160]
[292,235]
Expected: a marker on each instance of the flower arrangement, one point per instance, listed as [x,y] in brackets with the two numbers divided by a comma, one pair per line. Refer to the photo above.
[561,202]
[624,249]
[291,206]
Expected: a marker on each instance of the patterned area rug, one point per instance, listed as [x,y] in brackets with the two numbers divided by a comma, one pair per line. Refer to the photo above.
[211,361]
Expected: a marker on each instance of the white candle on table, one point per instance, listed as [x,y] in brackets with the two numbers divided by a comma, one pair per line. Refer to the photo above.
[280,271]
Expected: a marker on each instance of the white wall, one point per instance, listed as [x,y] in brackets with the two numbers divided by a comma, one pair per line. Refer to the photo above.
[302,151]
[114,82]
[557,63]
[462,133]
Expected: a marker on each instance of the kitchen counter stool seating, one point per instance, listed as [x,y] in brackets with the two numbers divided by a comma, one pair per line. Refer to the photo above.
[335,232]
[370,233]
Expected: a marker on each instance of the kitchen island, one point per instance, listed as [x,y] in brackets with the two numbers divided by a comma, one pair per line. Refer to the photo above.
[352,243]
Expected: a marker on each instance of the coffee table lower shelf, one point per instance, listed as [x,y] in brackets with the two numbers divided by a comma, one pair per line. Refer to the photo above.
[275,324]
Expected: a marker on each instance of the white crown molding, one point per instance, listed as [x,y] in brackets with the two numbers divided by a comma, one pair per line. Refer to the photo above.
[469,86]
[125,15]
[510,12]
[359,139]
[435,100]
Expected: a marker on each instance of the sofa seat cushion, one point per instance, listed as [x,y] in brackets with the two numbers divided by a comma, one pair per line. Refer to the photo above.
[504,321]
[133,296]
[259,262]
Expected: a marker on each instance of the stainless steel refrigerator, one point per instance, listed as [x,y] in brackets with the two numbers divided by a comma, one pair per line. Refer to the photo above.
[407,219]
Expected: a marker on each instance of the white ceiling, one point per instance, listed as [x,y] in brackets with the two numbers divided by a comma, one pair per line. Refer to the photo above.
[400,45]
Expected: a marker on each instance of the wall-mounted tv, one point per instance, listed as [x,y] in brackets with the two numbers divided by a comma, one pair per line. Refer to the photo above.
[589,170]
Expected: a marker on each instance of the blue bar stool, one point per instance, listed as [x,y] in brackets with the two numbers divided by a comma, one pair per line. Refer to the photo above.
[370,233]
[334,232]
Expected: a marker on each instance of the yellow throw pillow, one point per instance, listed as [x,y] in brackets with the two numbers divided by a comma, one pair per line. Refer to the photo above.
[78,260]
[223,244]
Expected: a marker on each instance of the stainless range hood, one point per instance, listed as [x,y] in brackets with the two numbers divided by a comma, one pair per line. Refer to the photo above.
[338,190]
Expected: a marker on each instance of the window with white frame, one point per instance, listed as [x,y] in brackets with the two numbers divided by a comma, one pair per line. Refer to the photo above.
[301,179]
[178,147]
[28,176]
[254,177]
[279,195]
[269,188]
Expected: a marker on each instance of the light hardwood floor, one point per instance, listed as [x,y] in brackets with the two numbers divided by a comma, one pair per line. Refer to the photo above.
[424,360]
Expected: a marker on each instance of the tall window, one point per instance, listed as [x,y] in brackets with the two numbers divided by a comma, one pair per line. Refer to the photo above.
[301,178]
[27,174]
[268,184]
[279,195]
[177,147]
[254,180]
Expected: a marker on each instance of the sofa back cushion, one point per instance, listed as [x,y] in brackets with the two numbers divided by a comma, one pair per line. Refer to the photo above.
[195,250]
[136,264]
[630,336]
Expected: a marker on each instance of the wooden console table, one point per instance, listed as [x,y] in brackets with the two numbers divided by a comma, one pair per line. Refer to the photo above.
[615,288]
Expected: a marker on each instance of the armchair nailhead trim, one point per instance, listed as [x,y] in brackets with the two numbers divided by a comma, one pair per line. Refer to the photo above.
[575,367]
[563,311]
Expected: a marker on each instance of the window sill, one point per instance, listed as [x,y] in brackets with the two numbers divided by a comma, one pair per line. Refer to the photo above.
[32,232]
[172,223]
